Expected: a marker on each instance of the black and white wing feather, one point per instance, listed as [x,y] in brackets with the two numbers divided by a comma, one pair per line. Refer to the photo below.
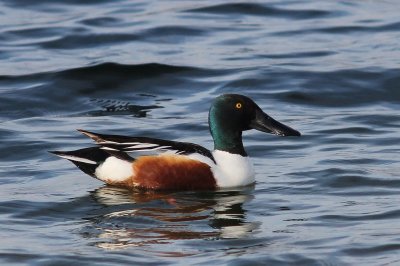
[125,144]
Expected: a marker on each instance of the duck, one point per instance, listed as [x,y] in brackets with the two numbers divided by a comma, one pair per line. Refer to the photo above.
[122,161]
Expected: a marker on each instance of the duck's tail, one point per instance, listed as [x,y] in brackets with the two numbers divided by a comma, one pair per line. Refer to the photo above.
[87,159]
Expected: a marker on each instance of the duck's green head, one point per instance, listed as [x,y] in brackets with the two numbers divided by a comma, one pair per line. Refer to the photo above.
[231,114]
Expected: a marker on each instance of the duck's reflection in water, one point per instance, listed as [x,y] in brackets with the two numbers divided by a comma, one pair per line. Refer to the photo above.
[138,218]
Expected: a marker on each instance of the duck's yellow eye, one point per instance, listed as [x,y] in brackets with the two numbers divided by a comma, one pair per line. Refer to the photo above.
[238,105]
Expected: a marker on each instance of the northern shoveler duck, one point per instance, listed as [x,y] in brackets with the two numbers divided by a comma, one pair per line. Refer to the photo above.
[181,165]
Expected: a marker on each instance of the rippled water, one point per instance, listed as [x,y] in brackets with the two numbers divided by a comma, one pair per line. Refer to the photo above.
[328,68]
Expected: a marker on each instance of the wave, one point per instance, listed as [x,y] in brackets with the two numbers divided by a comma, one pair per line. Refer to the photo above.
[74,88]
[254,9]
[98,70]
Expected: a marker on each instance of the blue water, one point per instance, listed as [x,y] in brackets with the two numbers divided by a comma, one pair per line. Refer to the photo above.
[329,69]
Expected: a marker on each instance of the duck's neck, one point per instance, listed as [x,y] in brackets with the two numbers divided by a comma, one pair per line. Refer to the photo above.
[226,138]
[231,143]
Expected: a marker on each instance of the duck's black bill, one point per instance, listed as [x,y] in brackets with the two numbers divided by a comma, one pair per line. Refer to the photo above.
[265,123]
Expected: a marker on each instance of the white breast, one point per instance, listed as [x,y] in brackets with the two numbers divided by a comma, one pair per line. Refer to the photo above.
[232,170]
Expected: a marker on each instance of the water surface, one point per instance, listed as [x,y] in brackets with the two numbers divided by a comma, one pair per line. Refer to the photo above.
[328,68]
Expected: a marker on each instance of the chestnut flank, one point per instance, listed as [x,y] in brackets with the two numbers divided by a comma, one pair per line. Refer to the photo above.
[172,172]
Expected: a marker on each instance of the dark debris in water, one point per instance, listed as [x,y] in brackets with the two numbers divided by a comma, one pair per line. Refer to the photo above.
[117,106]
